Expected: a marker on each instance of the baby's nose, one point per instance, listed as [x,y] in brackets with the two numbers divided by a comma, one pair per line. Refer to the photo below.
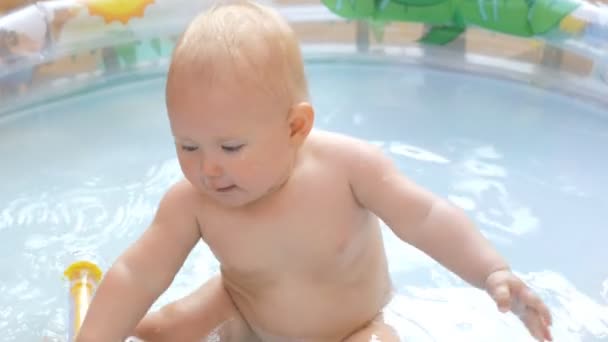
[210,168]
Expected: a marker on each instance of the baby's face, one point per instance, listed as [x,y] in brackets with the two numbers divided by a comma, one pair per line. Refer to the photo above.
[232,144]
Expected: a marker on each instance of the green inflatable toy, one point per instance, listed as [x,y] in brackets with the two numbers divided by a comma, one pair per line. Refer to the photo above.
[450,18]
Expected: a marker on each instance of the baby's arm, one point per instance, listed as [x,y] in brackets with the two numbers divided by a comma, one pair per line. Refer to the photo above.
[443,232]
[418,217]
[144,271]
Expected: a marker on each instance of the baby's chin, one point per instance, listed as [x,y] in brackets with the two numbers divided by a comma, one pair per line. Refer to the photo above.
[233,197]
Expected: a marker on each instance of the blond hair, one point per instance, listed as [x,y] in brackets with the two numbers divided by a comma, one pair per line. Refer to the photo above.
[245,44]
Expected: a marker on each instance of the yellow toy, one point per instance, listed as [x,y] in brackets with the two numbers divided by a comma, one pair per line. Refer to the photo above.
[120,10]
[84,277]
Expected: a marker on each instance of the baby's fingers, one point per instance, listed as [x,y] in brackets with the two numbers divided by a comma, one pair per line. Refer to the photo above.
[536,325]
[530,299]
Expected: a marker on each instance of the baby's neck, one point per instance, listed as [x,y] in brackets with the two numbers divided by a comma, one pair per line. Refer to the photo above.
[280,183]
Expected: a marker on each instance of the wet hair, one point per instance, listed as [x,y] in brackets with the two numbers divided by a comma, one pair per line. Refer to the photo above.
[244,44]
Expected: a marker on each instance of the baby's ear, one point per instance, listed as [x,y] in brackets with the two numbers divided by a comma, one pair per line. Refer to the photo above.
[301,121]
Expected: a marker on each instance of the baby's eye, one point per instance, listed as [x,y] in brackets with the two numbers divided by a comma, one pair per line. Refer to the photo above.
[232,148]
[189,148]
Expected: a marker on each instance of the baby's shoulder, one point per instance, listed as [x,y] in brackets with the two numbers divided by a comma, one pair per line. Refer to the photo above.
[181,195]
[178,208]
[355,158]
[341,148]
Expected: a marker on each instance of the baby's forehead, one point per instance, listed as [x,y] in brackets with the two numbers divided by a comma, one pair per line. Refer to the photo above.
[228,99]
[228,83]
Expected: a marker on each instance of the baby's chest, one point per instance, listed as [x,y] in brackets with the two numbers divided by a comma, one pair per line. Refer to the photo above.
[299,240]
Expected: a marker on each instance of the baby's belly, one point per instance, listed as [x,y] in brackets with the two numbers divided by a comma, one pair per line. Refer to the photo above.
[309,310]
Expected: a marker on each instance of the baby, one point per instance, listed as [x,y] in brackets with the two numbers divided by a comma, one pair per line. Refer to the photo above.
[292,215]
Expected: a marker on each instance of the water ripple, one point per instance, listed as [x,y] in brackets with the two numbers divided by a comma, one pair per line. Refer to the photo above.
[448,312]
[45,230]
[416,152]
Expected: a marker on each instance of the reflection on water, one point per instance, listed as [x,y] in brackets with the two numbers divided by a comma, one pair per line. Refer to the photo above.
[453,311]
[456,313]
[415,152]
[44,232]
[87,182]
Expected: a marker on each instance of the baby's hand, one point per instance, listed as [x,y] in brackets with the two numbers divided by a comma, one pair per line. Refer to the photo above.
[512,294]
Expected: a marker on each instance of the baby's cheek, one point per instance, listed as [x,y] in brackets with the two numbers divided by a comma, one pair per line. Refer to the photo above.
[249,167]
[256,171]
[189,168]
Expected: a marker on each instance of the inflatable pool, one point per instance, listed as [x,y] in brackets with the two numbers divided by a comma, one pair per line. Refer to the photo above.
[501,107]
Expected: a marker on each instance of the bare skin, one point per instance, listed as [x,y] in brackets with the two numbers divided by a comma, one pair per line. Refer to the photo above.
[301,261]
[291,215]
[287,273]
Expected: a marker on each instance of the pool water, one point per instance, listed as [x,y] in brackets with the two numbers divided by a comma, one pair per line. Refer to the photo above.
[83,175]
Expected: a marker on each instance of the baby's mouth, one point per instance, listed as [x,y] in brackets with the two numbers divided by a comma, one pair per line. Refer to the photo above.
[226,188]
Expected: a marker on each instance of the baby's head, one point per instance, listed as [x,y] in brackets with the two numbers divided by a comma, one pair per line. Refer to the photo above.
[238,103]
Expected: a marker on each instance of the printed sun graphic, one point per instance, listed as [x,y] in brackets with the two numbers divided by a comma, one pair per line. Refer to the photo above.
[121,10]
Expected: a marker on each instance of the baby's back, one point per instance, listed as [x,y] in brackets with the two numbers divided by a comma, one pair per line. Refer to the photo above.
[308,261]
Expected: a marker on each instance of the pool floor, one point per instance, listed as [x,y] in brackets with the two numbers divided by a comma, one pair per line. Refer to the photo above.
[82,176]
